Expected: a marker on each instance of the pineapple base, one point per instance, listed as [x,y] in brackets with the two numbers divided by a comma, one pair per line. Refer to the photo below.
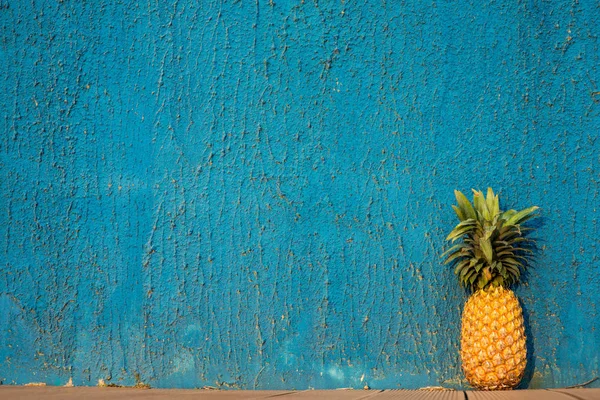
[493,343]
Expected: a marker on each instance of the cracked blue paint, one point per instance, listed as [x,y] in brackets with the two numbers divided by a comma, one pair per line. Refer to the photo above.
[255,194]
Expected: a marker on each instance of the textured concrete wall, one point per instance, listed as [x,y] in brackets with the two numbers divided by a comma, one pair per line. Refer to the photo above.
[254,194]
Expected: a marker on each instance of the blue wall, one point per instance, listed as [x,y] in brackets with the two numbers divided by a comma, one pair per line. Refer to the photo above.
[255,195]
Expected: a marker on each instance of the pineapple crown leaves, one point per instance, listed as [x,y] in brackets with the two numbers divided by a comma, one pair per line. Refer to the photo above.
[493,250]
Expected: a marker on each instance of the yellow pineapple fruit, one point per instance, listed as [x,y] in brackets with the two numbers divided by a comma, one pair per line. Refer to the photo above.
[488,261]
[493,347]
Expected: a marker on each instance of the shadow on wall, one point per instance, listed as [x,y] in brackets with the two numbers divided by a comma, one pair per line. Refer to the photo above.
[530,369]
[535,225]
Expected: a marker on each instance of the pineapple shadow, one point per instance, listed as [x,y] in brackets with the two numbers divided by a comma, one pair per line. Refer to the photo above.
[536,224]
[530,344]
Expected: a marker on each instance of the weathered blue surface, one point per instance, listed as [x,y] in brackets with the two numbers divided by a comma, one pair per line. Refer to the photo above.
[255,194]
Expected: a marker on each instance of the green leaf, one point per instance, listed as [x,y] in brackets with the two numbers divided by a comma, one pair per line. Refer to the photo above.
[480,206]
[459,213]
[459,231]
[455,256]
[508,235]
[500,249]
[452,249]
[470,275]
[521,239]
[496,210]
[528,251]
[489,232]
[511,262]
[481,283]
[460,266]
[513,270]
[498,281]
[478,253]
[522,216]
[478,266]
[467,222]
[502,269]
[492,203]
[486,248]
[505,253]
[472,278]
[507,214]
[466,273]
[491,250]
[465,205]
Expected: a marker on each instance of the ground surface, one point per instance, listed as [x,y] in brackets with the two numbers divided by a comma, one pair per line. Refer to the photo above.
[85,393]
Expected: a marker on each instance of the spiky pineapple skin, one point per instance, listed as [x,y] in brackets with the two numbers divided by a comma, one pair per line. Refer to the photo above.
[493,342]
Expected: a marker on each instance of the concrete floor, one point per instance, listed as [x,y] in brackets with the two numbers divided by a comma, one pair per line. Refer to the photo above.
[93,393]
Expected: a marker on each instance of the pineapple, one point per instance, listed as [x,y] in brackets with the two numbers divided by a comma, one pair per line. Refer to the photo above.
[488,260]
